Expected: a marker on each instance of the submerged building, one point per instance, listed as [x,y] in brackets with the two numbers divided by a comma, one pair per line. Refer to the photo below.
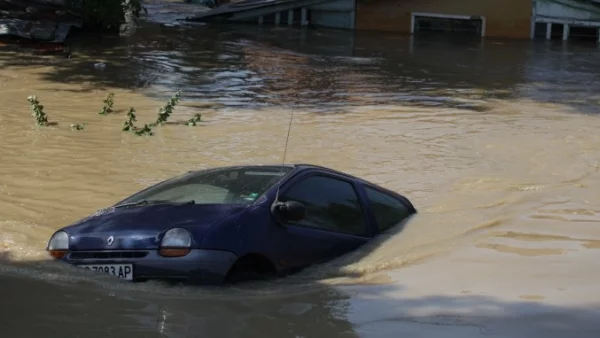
[483,18]
[495,18]
[565,19]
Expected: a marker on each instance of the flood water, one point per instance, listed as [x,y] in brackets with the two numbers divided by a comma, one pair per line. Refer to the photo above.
[495,142]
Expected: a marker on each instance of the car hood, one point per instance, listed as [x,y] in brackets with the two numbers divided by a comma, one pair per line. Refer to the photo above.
[141,227]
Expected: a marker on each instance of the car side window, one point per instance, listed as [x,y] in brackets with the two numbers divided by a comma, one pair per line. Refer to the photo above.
[388,210]
[331,204]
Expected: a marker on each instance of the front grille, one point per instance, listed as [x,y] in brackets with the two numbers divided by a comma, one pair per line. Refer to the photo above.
[107,254]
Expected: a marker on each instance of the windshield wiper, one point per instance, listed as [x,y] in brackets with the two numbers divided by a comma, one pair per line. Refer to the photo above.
[150,202]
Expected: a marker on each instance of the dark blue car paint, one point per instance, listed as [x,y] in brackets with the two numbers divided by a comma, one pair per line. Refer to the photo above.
[222,233]
[287,246]
[205,266]
[142,227]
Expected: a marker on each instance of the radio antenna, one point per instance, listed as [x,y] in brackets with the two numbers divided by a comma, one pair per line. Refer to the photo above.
[284,154]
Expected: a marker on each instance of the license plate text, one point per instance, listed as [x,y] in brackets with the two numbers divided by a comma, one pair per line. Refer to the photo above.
[124,271]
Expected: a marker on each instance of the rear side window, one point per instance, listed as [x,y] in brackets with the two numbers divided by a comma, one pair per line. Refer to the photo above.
[388,210]
[331,204]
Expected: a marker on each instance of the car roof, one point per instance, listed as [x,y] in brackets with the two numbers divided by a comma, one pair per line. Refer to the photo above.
[298,166]
[274,165]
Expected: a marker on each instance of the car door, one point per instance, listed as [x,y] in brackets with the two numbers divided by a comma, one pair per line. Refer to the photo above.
[335,221]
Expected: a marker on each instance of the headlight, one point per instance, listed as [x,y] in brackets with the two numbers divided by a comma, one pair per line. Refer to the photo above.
[59,241]
[175,243]
[58,244]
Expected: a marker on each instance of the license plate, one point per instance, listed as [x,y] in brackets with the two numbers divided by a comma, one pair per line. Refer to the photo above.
[124,271]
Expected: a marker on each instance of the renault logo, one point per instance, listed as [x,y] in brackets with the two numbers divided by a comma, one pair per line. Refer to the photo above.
[110,240]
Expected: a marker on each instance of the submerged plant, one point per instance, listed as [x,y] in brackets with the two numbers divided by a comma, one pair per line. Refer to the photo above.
[130,126]
[146,130]
[195,119]
[165,112]
[163,115]
[37,110]
[108,104]
[131,118]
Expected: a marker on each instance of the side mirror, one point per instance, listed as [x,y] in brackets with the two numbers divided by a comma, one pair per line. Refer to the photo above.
[288,211]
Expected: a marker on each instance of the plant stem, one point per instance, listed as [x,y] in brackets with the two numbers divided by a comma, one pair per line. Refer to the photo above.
[195,119]
[37,110]
[108,104]
[165,112]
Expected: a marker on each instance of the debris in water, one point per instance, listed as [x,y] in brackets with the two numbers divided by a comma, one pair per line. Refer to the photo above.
[35,20]
[43,25]
[77,126]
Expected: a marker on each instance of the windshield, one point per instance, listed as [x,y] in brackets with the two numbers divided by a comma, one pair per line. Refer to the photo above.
[236,185]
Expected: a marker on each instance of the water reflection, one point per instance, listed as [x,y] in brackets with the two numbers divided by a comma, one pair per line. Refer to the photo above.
[323,70]
[33,307]
[82,308]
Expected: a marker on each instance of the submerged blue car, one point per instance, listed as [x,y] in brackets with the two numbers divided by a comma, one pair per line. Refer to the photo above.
[232,223]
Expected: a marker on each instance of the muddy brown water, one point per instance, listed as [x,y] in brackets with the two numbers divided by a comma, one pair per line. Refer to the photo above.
[482,136]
